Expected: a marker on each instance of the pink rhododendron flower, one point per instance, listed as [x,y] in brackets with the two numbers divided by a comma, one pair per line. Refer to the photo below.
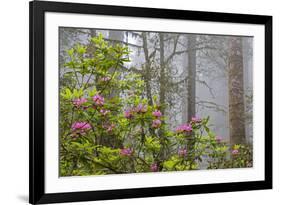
[128,114]
[157,113]
[79,101]
[184,128]
[81,126]
[182,152]
[98,99]
[235,152]
[126,152]
[105,79]
[141,108]
[195,119]
[109,128]
[104,112]
[219,139]
[156,123]
[154,167]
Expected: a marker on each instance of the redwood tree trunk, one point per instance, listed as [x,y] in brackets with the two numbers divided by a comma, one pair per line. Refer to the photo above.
[147,75]
[112,140]
[191,70]
[163,82]
[236,92]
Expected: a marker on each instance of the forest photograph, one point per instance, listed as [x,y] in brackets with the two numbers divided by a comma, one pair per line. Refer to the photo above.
[149,101]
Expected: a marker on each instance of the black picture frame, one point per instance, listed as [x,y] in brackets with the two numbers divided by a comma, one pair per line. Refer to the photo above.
[37,11]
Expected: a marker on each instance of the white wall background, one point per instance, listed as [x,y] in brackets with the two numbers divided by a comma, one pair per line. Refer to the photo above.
[14,100]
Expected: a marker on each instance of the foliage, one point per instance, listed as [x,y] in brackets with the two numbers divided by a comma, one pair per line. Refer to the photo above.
[107,125]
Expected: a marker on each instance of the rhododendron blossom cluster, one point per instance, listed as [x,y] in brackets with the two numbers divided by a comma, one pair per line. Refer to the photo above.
[105,79]
[154,167]
[98,99]
[80,128]
[104,112]
[126,152]
[157,113]
[109,127]
[141,108]
[219,139]
[235,152]
[129,113]
[184,128]
[195,119]
[182,152]
[156,123]
[79,101]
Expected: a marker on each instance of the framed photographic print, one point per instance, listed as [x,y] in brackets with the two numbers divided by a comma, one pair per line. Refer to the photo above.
[140,102]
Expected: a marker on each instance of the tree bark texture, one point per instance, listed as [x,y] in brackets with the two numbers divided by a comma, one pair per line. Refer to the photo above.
[147,68]
[236,92]
[191,83]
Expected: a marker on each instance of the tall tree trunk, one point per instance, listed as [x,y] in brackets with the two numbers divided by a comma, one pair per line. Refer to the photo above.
[93,33]
[113,141]
[91,48]
[162,92]
[147,68]
[191,70]
[116,37]
[191,89]
[236,92]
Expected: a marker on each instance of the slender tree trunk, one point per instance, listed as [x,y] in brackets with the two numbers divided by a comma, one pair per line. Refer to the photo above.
[162,92]
[115,36]
[93,32]
[191,83]
[236,91]
[147,69]
[91,48]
